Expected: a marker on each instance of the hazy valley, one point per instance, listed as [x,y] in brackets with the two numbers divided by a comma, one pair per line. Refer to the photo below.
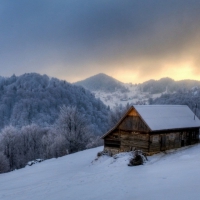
[114,93]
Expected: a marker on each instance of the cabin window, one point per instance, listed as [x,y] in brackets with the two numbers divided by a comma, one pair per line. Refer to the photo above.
[112,143]
[155,138]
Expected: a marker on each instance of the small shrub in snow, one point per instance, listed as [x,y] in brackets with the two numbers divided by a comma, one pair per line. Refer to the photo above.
[138,158]
[104,152]
[30,163]
[99,154]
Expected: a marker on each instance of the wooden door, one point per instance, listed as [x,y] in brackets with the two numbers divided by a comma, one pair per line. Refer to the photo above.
[163,143]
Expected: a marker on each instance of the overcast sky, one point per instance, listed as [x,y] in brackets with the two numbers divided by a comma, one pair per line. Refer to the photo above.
[131,40]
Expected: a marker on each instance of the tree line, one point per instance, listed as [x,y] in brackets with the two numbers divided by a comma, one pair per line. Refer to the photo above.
[70,133]
[43,117]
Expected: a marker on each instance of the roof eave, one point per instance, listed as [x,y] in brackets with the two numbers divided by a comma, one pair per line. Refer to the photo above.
[175,129]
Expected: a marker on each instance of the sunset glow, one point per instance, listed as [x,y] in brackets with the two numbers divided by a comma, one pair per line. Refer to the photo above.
[72,40]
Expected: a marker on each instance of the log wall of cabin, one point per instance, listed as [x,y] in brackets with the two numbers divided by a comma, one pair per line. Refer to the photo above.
[132,133]
[134,140]
[162,141]
[112,142]
[123,141]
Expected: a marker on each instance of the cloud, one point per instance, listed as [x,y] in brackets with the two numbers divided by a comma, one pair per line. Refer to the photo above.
[74,39]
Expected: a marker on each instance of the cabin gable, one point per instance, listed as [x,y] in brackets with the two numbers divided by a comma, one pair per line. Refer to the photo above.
[131,132]
[133,122]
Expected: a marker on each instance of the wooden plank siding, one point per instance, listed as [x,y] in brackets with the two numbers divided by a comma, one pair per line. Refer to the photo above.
[131,140]
[165,141]
[127,141]
[133,132]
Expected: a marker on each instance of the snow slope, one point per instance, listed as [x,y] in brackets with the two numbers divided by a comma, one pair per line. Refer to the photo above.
[175,175]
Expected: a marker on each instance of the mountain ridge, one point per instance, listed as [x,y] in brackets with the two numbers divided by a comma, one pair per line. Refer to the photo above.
[101,82]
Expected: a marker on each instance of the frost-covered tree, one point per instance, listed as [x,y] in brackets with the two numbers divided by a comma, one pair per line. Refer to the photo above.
[22,145]
[47,141]
[74,127]
[94,141]
[31,142]
[4,163]
[53,145]
[8,145]
[36,99]
[58,147]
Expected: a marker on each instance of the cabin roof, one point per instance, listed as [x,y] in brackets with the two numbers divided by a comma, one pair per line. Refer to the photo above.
[163,117]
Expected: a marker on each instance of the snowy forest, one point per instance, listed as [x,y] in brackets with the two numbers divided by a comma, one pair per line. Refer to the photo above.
[33,98]
[191,98]
[168,84]
[43,117]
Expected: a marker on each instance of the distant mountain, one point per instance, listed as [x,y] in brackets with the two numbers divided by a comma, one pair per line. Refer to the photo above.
[167,85]
[102,82]
[34,98]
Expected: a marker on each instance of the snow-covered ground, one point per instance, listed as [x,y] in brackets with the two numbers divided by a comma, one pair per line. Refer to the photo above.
[174,175]
[133,96]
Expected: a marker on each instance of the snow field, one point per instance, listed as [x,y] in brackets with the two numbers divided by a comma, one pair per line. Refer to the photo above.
[173,175]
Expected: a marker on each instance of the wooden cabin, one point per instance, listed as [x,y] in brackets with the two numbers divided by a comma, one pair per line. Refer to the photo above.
[153,128]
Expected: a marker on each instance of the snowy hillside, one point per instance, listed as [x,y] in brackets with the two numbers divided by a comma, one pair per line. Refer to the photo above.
[113,92]
[174,175]
[133,95]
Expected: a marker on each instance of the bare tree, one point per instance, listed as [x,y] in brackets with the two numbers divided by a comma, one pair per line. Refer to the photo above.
[53,145]
[94,141]
[4,163]
[8,141]
[31,140]
[74,127]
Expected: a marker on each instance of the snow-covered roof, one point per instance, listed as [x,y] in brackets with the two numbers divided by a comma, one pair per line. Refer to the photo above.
[162,117]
